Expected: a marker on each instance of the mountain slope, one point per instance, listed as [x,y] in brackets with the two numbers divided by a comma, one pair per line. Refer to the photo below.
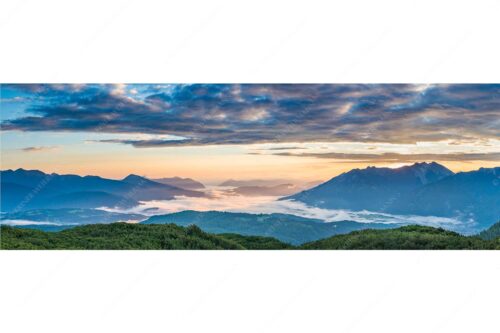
[425,189]
[86,199]
[146,189]
[73,191]
[257,242]
[372,188]
[28,178]
[492,232]
[70,216]
[126,236]
[184,183]
[404,238]
[13,196]
[287,228]
[258,191]
[469,196]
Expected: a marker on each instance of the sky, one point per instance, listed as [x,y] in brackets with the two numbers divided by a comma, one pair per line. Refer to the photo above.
[213,132]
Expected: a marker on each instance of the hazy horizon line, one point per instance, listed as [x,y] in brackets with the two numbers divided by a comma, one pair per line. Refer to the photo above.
[250,178]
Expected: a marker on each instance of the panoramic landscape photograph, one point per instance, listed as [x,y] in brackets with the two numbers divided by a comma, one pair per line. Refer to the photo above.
[250,166]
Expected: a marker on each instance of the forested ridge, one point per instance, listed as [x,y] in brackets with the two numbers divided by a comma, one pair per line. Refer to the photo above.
[491,233]
[127,236]
[412,237]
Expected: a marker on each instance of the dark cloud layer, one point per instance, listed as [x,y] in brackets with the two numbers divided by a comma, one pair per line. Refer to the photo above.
[36,149]
[262,113]
[399,158]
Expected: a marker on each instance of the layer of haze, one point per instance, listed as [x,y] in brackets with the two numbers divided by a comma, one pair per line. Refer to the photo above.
[210,164]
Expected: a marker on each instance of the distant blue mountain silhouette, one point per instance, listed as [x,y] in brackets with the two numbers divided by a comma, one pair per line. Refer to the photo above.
[287,228]
[420,189]
[426,189]
[371,188]
[71,216]
[469,196]
[185,183]
[30,189]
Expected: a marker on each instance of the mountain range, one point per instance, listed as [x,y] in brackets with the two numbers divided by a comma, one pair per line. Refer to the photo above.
[184,183]
[253,182]
[127,236]
[32,189]
[267,187]
[287,228]
[492,232]
[257,191]
[70,216]
[423,189]
[426,189]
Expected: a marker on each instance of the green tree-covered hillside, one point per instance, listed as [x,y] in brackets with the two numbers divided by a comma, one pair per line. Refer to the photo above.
[405,238]
[491,233]
[124,236]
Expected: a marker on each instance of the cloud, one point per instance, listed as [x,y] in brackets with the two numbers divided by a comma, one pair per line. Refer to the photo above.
[284,148]
[16,99]
[39,149]
[207,114]
[397,157]
[222,201]
[149,143]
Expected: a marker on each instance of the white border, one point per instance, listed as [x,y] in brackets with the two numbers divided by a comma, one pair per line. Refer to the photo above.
[256,41]
[195,41]
[257,291]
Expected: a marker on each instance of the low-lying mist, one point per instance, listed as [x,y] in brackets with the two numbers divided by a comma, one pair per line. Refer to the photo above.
[221,200]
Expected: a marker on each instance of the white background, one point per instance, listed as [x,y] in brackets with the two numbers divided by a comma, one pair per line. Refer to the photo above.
[256,41]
